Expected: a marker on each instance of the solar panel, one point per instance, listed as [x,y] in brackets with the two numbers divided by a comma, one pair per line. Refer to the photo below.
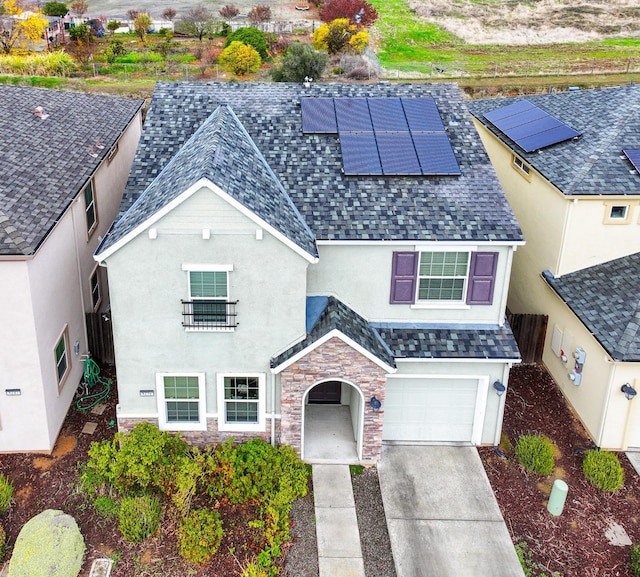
[318,116]
[530,127]
[387,114]
[435,154]
[397,154]
[360,153]
[633,154]
[422,115]
[353,115]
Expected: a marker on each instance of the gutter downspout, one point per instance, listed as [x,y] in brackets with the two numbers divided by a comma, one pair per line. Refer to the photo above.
[272,381]
[567,218]
[502,400]
[78,268]
[605,408]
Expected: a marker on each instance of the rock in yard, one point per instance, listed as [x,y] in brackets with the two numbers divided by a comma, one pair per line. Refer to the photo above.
[49,545]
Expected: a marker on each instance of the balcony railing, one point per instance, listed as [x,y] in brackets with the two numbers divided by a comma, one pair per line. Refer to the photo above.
[209,314]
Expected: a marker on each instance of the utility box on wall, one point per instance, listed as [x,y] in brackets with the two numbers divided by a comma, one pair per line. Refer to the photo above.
[576,374]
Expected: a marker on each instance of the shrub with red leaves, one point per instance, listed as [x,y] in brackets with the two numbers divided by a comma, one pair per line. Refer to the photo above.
[357,11]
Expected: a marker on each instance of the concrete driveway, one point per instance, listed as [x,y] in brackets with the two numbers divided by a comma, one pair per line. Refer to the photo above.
[442,516]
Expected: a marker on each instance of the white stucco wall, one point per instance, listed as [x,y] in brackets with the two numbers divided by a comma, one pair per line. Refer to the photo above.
[147,284]
[360,276]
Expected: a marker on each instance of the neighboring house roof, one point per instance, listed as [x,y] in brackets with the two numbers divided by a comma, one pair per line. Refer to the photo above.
[437,341]
[471,207]
[45,163]
[593,164]
[221,152]
[606,299]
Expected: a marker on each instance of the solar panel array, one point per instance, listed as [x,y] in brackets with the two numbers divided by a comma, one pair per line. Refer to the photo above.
[385,136]
[530,127]
[633,154]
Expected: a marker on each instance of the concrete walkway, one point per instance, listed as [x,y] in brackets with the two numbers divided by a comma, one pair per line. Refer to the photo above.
[442,515]
[339,552]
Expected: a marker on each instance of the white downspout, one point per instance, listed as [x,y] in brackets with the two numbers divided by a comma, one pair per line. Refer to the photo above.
[502,401]
[272,381]
[78,268]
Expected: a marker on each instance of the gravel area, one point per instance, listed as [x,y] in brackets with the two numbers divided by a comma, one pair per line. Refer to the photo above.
[302,557]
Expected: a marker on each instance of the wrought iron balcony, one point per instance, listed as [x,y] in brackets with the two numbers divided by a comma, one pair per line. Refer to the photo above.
[209,314]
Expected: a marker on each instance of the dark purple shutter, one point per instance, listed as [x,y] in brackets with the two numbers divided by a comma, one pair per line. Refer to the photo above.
[403,277]
[482,278]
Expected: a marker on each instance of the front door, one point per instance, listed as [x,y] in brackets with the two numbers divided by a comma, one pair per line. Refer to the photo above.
[326,393]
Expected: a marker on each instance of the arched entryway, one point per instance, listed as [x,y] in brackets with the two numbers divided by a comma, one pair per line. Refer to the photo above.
[332,422]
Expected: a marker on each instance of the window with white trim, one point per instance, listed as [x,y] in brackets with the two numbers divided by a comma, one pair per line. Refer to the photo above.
[208,306]
[96,295]
[90,207]
[181,401]
[521,166]
[61,355]
[617,213]
[241,402]
[442,276]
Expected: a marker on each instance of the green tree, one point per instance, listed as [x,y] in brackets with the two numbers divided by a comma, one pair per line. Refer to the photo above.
[80,33]
[299,61]
[113,25]
[54,8]
[141,25]
[240,58]
[250,36]
[198,22]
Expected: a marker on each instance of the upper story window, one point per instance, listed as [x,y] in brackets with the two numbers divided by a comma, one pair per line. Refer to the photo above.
[61,354]
[521,166]
[90,207]
[616,213]
[443,277]
[181,400]
[209,307]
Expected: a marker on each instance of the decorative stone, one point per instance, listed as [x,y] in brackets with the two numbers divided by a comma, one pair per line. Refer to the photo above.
[49,545]
[616,535]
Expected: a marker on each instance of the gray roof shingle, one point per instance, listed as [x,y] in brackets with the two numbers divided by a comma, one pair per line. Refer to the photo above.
[470,207]
[222,152]
[593,164]
[606,299]
[436,341]
[45,163]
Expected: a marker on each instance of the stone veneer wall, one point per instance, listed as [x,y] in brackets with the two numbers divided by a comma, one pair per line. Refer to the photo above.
[333,360]
[209,437]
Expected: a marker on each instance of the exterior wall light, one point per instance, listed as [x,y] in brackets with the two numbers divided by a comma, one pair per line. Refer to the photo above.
[499,388]
[628,391]
[375,403]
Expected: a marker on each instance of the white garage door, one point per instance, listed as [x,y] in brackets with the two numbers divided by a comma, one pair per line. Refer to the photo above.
[431,409]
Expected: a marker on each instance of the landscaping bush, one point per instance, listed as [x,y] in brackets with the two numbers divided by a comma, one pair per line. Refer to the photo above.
[299,61]
[199,535]
[603,470]
[251,37]
[535,453]
[240,58]
[635,560]
[139,517]
[106,507]
[3,542]
[47,64]
[6,493]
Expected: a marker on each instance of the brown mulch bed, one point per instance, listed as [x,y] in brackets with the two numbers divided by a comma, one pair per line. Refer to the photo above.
[573,544]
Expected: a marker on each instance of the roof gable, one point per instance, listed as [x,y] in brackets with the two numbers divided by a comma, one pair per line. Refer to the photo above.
[220,153]
[593,164]
[45,163]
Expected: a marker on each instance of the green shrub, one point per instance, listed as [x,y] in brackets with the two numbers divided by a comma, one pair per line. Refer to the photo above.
[3,542]
[535,453]
[199,535]
[139,517]
[603,470]
[6,493]
[299,61]
[635,560]
[251,37]
[106,507]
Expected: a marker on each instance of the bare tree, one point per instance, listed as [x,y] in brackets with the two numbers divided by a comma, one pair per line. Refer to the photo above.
[79,8]
[229,11]
[169,14]
[133,14]
[198,22]
[259,14]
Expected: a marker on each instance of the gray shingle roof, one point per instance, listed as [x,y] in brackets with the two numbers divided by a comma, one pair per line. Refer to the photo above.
[471,207]
[222,152]
[608,119]
[45,163]
[606,299]
[431,341]
[336,315]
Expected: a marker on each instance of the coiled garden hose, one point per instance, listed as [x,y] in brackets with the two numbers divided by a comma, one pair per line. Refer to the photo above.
[92,380]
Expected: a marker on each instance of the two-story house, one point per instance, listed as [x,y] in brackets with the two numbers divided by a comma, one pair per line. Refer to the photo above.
[569,163]
[64,162]
[292,261]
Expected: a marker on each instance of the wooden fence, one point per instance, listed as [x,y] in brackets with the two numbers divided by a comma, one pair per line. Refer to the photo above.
[529,331]
[100,335]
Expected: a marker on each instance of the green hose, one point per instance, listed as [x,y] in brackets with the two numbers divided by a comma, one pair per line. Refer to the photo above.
[91,381]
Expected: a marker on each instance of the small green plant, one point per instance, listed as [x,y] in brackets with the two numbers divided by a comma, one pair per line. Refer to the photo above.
[356,469]
[535,453]
[603,470]
[635,560]
[3,542]
[139,517]
[199,535]
[6,493]
[106,507]
[525,557]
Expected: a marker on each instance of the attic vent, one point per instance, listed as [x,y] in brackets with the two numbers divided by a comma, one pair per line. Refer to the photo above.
[40,113]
